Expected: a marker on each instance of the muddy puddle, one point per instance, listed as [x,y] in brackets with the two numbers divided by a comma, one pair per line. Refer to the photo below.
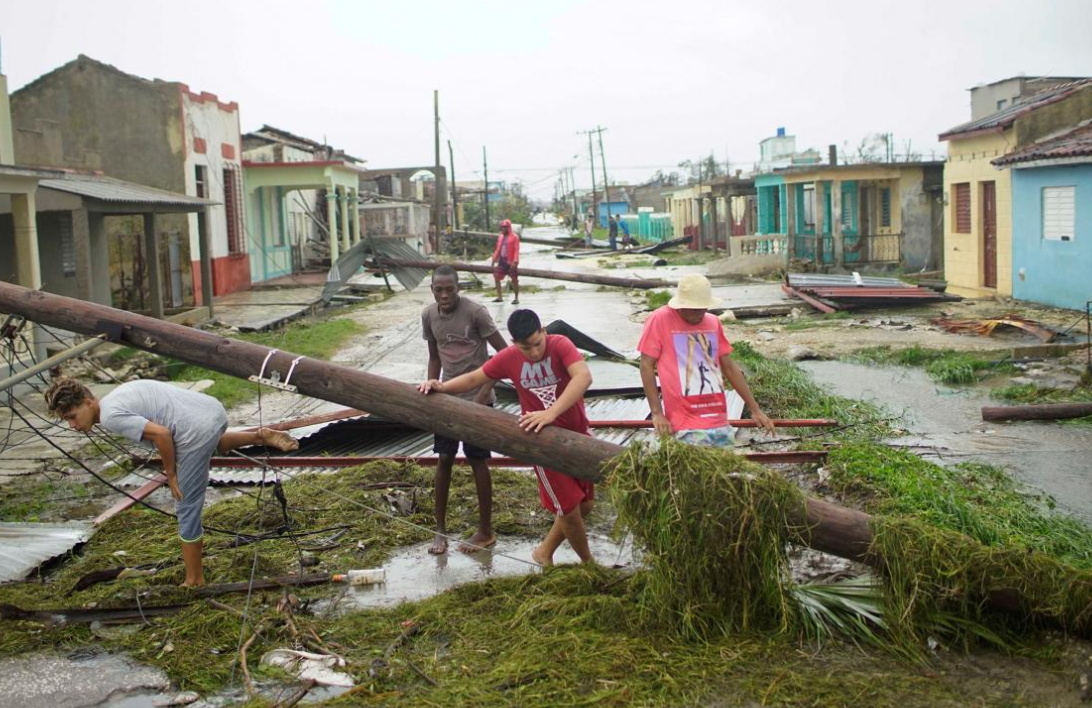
[946,426]
[414,574]
[88,677]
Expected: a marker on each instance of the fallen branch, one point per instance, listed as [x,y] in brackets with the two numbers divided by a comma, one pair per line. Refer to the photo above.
[242,661]
[298,695]
[383,662]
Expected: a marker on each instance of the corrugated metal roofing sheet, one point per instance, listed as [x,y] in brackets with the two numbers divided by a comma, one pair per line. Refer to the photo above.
[24,546]
[108,189]
[1076,143]
[1008,116]
[374,437]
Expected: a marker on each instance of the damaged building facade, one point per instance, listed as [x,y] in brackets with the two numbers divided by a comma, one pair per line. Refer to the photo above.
[170,138]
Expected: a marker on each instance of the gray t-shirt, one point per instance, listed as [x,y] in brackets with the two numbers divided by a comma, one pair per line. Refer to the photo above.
[460,337]
[191,417]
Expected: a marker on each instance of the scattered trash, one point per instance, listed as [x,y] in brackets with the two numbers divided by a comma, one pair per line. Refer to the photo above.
[368,576]
[319,668]
[985,327]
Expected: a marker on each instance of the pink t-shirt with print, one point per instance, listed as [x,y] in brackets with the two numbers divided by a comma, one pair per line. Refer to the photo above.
[688,365]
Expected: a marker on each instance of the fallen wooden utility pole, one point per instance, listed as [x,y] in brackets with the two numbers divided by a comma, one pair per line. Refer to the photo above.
[485,235]
[1044,411]
[819,524]
[593,278]
[830,528]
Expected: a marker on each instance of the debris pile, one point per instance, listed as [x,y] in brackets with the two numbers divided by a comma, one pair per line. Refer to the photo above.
[830,293]
[986,327]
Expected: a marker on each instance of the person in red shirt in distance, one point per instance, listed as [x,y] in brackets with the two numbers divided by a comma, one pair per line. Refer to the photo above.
[506,260]
[550,376]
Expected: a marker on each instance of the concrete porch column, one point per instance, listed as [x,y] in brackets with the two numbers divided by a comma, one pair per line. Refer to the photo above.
[331,219]
[343,200]
[820,211]
[204,248]
[355,230]
[790,216]
[151,265]
[99,254]
[28,267]
[836,227]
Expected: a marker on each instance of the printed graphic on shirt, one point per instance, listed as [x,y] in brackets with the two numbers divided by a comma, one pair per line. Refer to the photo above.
[539,378]
[696,354]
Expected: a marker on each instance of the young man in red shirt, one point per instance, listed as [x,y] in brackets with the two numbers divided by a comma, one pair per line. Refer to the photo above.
[686,346]
[550,377]
[506,260]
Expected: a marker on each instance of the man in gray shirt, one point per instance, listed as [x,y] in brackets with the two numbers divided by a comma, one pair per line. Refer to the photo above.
[457,330]
[185,427]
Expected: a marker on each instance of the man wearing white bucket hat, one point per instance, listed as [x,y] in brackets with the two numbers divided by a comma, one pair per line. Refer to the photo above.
[686,347]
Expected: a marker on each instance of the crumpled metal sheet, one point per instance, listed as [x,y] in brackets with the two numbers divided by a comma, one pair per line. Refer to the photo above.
[25,546]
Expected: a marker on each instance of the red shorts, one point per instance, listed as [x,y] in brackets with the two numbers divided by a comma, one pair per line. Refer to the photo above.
[561,493]
[500,273]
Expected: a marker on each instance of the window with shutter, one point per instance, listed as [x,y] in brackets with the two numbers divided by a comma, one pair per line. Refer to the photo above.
[962,198]
[885,209]
[1059,213]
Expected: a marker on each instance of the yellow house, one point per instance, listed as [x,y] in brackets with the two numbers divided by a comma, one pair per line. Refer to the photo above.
[978,196]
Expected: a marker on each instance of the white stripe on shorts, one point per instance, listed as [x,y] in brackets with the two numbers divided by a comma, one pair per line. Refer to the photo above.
[541,472]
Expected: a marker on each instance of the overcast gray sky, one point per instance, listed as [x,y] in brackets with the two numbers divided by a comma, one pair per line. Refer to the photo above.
[670,80]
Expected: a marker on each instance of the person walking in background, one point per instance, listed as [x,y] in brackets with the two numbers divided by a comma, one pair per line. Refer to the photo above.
[612,232]
[506,261]
[625,232]
[589,224]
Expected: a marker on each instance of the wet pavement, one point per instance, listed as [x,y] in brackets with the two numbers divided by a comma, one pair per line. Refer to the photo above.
[85,678]
[414,574]
[259,310]
[946,426]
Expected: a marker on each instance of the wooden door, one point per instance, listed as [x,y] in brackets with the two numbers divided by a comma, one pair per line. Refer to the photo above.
[989,235]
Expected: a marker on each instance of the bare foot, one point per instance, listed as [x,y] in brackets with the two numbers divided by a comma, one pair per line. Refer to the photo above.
[478,542]
[278,439]
[439,545]
[541,558]
[193,583]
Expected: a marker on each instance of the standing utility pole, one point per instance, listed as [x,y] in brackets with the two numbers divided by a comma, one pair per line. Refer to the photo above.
[591,154]
[454,194]
[439,191]
[603,160]
[485,192]
[572,183]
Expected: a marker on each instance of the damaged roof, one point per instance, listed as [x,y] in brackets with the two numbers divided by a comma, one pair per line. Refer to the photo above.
[1073,146]
[996,122]
[26,546]
[109,189]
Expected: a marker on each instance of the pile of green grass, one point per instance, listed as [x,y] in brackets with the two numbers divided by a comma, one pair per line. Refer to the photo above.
[713,527]
[943,365]
[655,299]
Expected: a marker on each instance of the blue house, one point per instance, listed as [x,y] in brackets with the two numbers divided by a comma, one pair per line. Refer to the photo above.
[1052,219]
[619,204]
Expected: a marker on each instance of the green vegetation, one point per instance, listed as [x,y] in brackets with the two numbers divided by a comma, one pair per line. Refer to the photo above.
[1030,393]
[315,502]
[317,340]
[786,391]
[943,365]
[978,500]
[688,257]
[24,499]
[655,299]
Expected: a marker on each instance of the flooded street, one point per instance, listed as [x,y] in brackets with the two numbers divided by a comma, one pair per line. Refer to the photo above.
[946,425]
